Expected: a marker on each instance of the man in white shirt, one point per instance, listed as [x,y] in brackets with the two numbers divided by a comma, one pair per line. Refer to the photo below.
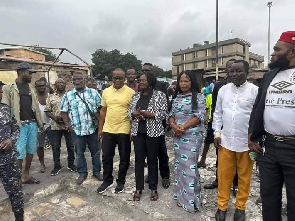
[230,124]
[272,124]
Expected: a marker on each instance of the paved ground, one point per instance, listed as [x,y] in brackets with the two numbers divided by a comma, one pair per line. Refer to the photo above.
[59,198]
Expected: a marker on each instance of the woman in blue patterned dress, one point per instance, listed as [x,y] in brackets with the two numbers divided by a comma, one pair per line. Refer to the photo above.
[186,118]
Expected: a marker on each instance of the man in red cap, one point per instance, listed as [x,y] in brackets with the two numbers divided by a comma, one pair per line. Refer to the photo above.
[272,130]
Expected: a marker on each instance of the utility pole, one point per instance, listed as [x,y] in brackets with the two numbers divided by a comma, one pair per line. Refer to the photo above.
[269,4]
[216,63]
[232,33]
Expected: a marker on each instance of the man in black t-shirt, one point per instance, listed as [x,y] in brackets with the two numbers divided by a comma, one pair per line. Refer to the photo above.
[21,98]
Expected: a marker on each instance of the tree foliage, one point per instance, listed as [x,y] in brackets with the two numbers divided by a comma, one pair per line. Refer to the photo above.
[161,73]
[106,61]
[50,56]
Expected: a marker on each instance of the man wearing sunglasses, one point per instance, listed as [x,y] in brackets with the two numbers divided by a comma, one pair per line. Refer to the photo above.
[114,128]
[163,156]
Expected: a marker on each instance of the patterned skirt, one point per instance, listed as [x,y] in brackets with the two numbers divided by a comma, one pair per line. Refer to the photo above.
[187,177]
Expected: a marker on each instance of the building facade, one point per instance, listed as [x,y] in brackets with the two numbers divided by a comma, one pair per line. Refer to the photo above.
[11,57]
[204,56]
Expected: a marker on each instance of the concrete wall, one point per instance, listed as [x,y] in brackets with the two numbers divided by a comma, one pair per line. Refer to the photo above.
[21,53]
[176,59]
[8,77]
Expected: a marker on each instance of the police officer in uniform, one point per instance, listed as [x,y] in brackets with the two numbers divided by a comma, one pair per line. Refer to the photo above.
[10,173]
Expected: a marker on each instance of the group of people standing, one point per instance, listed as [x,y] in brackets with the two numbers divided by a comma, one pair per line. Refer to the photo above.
[247,126]
[243,119]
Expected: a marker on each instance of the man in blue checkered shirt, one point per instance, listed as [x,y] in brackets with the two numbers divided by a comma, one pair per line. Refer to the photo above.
[79,110]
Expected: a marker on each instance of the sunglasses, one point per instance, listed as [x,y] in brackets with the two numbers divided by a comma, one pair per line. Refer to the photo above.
[118,78]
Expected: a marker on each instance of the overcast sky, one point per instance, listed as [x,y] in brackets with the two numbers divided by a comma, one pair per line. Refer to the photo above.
[151,29]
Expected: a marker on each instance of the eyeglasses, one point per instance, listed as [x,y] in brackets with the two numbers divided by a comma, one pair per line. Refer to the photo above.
[118,78]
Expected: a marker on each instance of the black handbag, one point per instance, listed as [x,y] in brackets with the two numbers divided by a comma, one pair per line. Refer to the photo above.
[94,116]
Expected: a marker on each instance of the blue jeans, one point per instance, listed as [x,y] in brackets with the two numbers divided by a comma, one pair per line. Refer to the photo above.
[94,148]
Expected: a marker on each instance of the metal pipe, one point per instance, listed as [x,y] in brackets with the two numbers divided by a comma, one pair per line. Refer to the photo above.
[56,59]
[62,49]
[216,63]
[269,4]
[30,46]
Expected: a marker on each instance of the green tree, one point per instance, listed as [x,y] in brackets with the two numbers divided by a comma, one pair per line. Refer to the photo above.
[168,74]
[50,56]
[106,61]
[161,73]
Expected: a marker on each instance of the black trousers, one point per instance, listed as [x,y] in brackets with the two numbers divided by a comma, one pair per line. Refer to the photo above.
[145,146]
[109,142]
[55,141]
[163,159]
[235,181]
[276,166]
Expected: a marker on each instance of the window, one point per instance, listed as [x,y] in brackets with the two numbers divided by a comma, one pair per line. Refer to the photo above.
[184,68]
[195,54]
[207,63]
[183,57]
[207,52]
[221,61]
[195,65]
[244,49]
[213,52]
[221,50]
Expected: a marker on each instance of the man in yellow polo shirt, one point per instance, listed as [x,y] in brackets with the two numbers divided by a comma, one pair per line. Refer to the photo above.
[114,128]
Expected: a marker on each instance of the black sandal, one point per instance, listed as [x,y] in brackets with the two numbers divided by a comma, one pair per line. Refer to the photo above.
[137,195]
[166,183]
[154,195]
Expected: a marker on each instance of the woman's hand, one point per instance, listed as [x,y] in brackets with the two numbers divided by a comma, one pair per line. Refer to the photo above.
[178,130]
[147,114]
[136,113]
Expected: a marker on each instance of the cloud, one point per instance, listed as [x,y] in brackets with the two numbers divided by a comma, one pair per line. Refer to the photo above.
[152,29]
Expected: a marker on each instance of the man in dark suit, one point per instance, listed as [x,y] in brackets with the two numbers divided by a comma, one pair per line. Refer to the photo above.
[272,130]
[163,156]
